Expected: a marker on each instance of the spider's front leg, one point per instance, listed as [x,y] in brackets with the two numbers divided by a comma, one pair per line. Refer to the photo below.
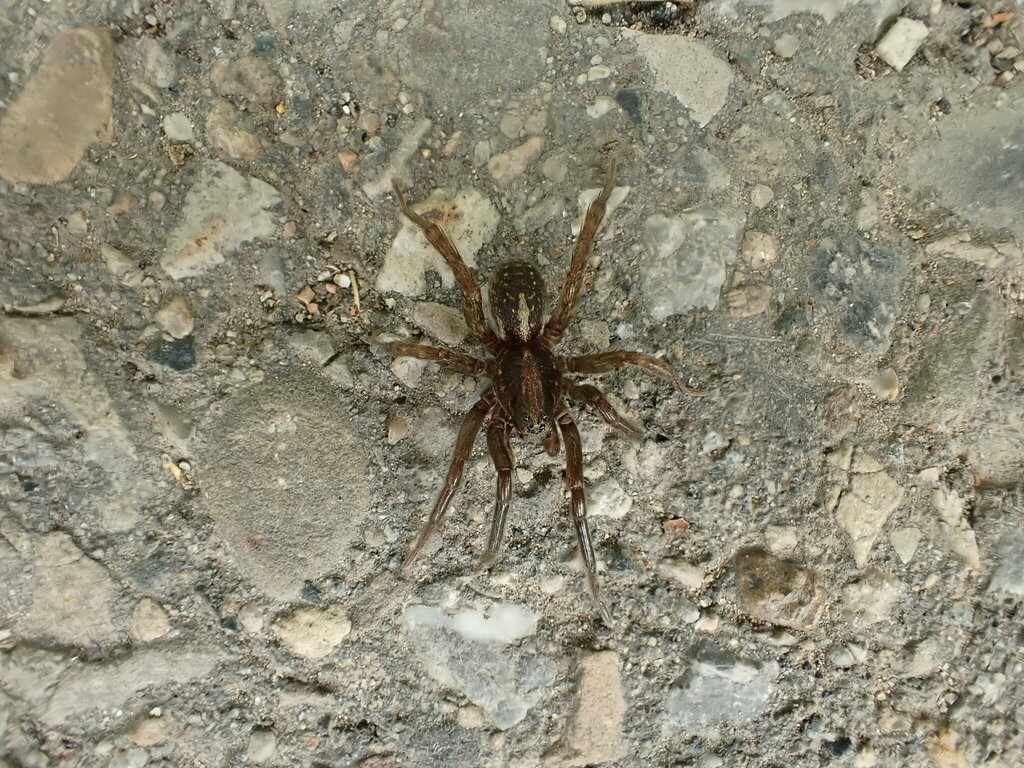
[578,507]
[501,455]
[472,302]
[463,448]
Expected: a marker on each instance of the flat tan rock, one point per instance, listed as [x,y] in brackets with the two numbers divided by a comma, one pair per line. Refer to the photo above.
[64,107]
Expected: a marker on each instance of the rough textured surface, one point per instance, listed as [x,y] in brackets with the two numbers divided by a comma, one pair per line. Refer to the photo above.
[210,473]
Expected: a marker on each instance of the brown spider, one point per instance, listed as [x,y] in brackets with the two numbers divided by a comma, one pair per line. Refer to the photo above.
[529,388]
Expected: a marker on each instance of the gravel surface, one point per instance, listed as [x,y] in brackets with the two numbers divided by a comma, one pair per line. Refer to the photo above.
[210,471]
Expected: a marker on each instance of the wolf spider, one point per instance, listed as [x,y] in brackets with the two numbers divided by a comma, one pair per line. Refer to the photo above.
[529,386]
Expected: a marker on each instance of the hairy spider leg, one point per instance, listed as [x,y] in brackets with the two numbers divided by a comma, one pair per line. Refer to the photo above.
[590,395]
[463,448]
[447,358]
[501,455]
[472,302]
[603,362]
[578,507]
[569,298]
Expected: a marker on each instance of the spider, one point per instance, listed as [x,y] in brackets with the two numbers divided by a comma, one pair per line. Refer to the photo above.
[529,386]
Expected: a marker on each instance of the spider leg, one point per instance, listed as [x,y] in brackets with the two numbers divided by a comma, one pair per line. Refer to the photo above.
[592,396]
[501,455]
[463,448]
[578,504]
[472,303]
[446,358]
[603,362]
[569,298]
[551,441]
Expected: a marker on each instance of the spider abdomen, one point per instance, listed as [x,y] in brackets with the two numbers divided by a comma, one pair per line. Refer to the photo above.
[517,300]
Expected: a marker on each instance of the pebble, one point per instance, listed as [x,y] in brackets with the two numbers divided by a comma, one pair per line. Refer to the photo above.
[904,542]
[688,255]
[599,72]
[864,508]
[262,746]
[871,598]
[782,592]
[251,617]
[444,323]
[175,318]
[408,370]
[607,499]
[761,195]
[223,210]
[713,442]
[477,655]
[747,300]
[178,127]
[786,45]
[885,385]
[688,575]
[601,107]
[718,687]
[470,717]
[758,249]
[954,527]
[62,109]
[595,735]
[688,69]
[398,428]
[313,346]
[129,758]
[1008,572]
[149,731]
[510,165]
[781,539]
[149,620]
[249,79]
[227,131]
[898,46]
[468,217]
[558,25]
[313,632]
[960,246]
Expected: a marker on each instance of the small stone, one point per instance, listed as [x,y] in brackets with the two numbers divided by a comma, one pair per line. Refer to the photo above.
[885,385]
[609,500]
[1008,572]
[904,541]
[713,442]
[175,318]
[313,632]
[558,25]
[955,528]
[758,249]
[600,108]
[248,79]
[129,758]
[408,370]
[848,656]
[157,65]
[398,428]
[227,131]
[252,618]
[149,731]
[871,598]
[596,732]
[509,165]
[778,591]
[786,46]
[313,346]
[690,576]
[348,159]
[747,300]
[781,539]
[262,746]
[898,46]
[599,72]
[555,167]
[864,508]
[61,110]
[470,717]
[149,620]
[177,127]
[761,195]
[444,323]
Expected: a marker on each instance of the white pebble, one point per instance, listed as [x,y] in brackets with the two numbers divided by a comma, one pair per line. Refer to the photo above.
[898,46]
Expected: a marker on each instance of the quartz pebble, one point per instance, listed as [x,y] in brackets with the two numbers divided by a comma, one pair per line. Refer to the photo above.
[175,318]
[786,45]
[898,46]
[149,620]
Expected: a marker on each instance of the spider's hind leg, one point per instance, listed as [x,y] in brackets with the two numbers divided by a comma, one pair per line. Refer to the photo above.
[501,455]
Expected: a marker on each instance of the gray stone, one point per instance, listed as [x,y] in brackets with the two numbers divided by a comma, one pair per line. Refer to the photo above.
[596,732]
[864,508]
[158,66]
[871,598]
[466,216]
[278,506]
[1008,572]
[778,591]
[178,127]
[860,280]
[249,79]
[228,131]
[688,69]
[954,529]
[105,686]
[717,689]
[976,166]
[444,323]
[475,655]
[63,108]
[688,256]
[262,746]
[223,210]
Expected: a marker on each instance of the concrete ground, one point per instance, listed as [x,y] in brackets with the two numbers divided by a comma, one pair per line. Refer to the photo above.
[210,471]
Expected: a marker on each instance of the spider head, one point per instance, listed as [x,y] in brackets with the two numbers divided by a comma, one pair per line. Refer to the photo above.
[532,424]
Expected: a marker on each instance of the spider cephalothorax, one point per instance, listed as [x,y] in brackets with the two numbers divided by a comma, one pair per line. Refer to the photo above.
[529,387]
